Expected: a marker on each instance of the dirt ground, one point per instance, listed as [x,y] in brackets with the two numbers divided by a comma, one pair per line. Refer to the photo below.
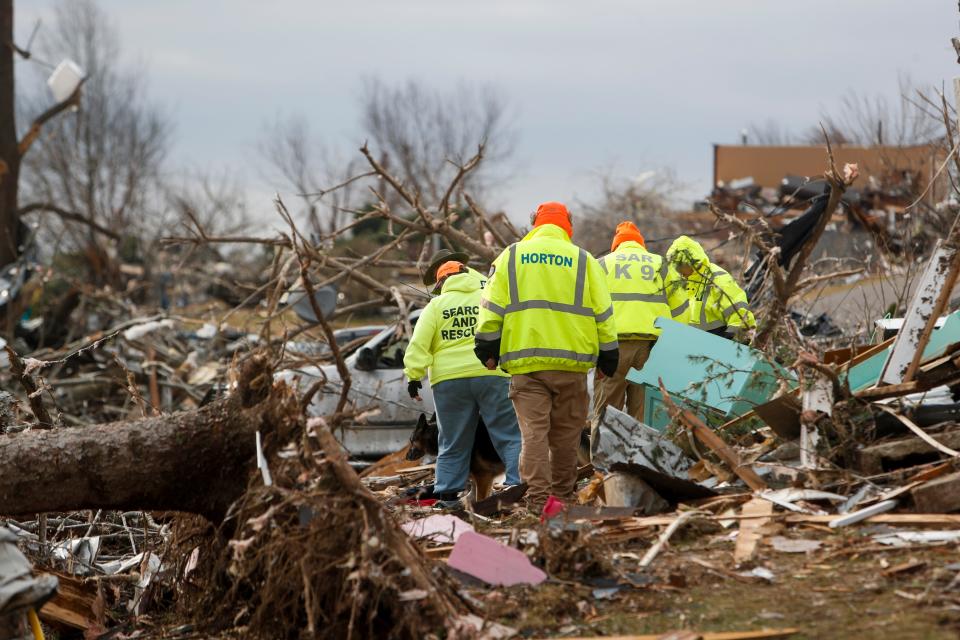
[849,588]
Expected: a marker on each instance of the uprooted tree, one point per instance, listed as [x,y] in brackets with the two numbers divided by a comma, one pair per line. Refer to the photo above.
[195,461]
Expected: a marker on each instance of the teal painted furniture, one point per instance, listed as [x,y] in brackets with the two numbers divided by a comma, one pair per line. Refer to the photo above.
[867,373]
[720,375]
[656,415]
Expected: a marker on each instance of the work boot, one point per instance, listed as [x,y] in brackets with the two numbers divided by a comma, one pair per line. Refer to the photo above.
[450,505]
[423,492]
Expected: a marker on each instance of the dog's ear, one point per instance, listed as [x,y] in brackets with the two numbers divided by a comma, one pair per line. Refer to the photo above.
[422,422]
[419,429]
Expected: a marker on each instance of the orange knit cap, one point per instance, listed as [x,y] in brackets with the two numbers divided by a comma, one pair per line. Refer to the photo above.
[448,269]
[627,231]
[554,213]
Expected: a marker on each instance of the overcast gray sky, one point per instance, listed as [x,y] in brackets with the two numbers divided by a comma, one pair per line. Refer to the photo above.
[634,84]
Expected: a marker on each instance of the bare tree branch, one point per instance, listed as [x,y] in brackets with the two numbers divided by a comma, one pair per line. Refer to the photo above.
[72,216]
[34,131]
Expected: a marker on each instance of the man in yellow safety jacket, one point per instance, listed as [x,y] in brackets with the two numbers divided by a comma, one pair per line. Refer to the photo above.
[463,389]
[547,319]
[643,287]
[717,303]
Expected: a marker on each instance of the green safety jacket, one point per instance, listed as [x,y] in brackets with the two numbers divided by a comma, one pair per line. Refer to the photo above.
[547,302]
[716,300]
[643,287]
[442,339]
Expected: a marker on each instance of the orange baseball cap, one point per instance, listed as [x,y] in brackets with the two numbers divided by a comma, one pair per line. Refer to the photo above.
[449,268]
[626,231]
[554,213]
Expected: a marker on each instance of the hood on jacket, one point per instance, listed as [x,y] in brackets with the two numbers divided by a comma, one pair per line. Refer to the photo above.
[686,250]
[547,231]
[465,282]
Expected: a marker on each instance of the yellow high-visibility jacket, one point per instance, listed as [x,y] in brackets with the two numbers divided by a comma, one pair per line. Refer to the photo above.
[547,302]
[442,339]
[478,275]
[643,287]
[716,300]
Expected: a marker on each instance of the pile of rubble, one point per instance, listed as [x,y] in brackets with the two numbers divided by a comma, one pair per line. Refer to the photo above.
[847,456]
[788,476]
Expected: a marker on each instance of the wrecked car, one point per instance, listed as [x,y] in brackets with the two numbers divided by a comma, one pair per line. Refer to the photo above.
[385,414]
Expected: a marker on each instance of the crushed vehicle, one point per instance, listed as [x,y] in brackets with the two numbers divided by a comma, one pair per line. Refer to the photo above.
[378,392]
[348,339]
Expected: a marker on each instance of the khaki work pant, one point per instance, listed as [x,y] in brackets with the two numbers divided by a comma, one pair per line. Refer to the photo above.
[613,390]
[552,411]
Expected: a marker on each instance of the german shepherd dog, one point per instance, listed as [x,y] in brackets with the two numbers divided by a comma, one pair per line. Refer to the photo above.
[485,463]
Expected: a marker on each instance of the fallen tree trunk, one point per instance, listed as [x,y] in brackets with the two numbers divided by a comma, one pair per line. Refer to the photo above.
[197,461]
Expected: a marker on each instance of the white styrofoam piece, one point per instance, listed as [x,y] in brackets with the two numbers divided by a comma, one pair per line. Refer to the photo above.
[863,514]
[65,79]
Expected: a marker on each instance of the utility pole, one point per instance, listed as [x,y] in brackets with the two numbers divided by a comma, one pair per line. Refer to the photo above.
[9,153]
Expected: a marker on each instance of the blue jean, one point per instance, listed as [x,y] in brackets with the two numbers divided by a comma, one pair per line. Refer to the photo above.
[460,403]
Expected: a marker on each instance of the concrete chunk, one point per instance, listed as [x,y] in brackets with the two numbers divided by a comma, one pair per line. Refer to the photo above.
[941,495]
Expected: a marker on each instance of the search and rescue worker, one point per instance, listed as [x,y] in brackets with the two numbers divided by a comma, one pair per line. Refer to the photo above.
[546,318]
[463,389]
[446,255]
[643,287]
[717,303]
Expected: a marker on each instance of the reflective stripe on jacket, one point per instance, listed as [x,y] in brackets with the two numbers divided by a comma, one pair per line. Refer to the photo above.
[442,339]
[547,302]
[716,300]
[643,287]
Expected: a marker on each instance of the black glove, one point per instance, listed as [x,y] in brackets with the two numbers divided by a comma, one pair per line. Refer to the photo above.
[737,334]
[607,362]
[413,388]
[486,349]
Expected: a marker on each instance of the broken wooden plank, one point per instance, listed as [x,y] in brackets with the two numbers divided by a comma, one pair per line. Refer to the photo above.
[940,305]
[879,457]
[651,553]
[889,391]
[862,514]
[438,552]
[923,435]
[782,414]
[931,519]
[704,434]
[390,464]
[74,607]
[737,420]
[750,534]
[817,399]
[904,567]
[928,301]
[941,495]
[932,472]
[708,635]
[889,518]
[418,469]
[865,354]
